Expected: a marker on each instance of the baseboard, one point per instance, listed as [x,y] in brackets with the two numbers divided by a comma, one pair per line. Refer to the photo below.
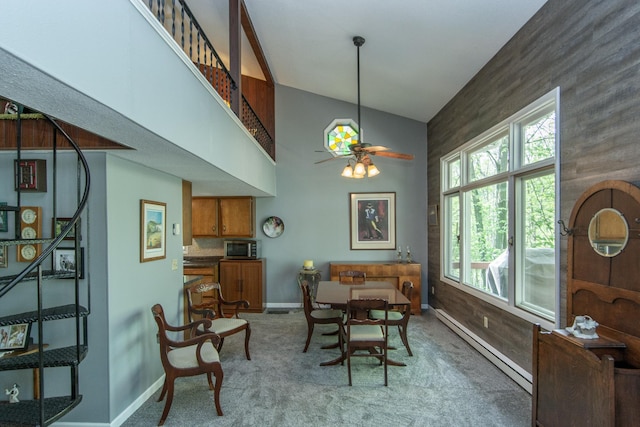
[506,365]
[136,404]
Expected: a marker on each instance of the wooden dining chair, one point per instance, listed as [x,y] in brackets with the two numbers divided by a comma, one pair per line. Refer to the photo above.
[319,316]
[399,315]
[194,356]
[364,333]
[210,305]
[352,276]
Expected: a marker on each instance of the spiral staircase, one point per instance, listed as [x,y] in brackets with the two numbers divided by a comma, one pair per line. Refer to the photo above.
[30,284]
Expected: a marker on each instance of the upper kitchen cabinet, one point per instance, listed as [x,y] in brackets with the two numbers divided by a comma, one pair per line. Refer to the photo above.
[236,216]
[204,217]
[223,216]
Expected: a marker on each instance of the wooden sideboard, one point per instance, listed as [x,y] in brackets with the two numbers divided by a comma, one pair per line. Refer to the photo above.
[396,273]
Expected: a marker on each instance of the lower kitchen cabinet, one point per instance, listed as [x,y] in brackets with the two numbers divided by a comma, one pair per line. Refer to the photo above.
[244,279]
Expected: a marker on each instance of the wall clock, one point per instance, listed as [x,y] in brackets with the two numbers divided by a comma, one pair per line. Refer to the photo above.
[30,228]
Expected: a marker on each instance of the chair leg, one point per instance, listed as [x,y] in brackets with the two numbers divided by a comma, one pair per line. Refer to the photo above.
[384,358]
[217,372]
[349,363]
[247,335]
[309,333]
[167,406]
[219,347]
[403,337]
[164,390]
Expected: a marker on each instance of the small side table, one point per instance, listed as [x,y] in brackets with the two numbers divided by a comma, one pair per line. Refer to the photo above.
[312,276]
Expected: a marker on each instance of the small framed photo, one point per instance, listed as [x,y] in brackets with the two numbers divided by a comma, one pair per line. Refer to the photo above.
[58,224]
[15,337]
[31,175]
[4,263]
[373,220]
[153,218]
[4,226]
[64,261]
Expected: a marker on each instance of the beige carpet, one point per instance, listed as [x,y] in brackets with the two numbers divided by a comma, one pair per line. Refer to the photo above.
[445,383]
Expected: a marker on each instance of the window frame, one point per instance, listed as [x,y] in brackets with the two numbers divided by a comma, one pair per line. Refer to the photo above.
[513,176]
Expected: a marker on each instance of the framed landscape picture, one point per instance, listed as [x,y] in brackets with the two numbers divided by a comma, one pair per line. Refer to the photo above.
[372,220]
[153,216]
[61,223]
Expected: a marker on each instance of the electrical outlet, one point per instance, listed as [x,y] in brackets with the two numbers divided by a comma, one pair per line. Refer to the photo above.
[486,322]
[433,290]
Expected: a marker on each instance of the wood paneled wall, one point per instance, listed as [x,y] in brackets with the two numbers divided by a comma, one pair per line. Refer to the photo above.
[591,50]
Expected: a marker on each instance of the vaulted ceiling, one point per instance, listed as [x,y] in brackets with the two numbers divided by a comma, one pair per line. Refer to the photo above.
[418,53]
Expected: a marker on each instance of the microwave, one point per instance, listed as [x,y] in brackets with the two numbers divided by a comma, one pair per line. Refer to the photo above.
[241,249]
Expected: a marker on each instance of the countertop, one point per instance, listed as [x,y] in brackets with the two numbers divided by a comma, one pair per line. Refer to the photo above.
[200,261]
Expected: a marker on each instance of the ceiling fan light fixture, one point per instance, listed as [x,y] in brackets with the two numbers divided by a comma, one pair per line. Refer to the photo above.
[372,170]
[347,172]
[359,170]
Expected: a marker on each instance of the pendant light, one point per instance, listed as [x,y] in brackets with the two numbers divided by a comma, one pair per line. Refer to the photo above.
[363,165]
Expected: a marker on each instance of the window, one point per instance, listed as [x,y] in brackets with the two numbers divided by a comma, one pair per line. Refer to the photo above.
[339,135]
[499,212]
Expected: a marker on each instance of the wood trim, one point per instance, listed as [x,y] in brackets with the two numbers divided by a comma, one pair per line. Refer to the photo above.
[247,26]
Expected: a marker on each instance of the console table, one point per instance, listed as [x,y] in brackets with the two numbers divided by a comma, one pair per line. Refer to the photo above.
[396,273]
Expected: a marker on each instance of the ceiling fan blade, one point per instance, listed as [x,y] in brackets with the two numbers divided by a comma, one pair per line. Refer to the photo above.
[332,158]
[375,148]
[394,155]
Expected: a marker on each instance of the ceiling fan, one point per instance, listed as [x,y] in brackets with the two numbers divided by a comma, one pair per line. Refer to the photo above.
[361,152]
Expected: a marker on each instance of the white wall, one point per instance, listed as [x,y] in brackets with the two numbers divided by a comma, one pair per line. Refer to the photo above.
[134,362]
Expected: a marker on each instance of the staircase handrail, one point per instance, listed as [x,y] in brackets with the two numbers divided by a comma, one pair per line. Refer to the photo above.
[65,230]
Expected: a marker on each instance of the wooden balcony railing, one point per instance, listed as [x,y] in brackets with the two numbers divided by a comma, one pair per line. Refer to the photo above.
[179,21]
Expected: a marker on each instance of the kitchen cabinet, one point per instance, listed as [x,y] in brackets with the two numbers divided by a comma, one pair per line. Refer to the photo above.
[204,217]
[223,216]
[396,273]
[244,279]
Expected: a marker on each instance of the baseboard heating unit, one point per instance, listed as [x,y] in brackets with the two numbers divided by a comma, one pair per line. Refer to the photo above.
[506,365]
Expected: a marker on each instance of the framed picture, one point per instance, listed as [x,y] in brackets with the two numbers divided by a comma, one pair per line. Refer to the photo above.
[433,215]
[4,263]
[153,229]
[31,175]
[373,220]
[3,218]
[15,337]
[58,224]
[64,261]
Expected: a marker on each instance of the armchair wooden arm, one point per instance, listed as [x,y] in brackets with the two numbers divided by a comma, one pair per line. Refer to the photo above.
[210,303]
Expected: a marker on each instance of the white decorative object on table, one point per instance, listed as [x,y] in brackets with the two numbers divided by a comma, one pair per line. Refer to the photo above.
[584,327]
[13,393]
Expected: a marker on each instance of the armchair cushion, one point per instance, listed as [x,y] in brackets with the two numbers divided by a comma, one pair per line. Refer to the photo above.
[379,314]
[185,357]
[325,314]
[223,325]
[366,333]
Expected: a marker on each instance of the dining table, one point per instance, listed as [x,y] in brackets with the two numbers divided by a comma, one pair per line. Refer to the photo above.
[337,294]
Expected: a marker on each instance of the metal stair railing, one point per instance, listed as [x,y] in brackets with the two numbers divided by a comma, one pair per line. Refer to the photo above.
[44,411]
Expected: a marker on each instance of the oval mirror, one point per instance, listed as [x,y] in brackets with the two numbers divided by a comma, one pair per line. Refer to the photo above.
[608,232]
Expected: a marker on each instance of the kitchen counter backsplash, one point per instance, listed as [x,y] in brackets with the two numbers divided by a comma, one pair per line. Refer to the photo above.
[205,247]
